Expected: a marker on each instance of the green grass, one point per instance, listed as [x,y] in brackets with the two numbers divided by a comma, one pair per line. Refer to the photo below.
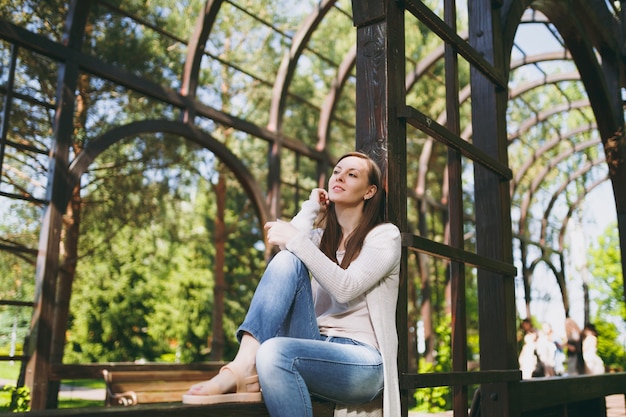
[78,403]
[11,372]
[5,398]
[85,383]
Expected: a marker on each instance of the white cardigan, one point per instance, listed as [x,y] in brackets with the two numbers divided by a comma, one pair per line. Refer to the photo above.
[374,272]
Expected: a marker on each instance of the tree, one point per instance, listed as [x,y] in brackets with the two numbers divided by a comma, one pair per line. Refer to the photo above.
[607,285]
[607,280]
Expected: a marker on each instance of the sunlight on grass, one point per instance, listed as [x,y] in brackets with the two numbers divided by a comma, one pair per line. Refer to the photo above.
[79,403]
[85,383]
[10,370]
[5,398]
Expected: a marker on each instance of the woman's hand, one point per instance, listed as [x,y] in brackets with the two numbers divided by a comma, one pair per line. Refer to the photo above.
[320,196]
[279,232]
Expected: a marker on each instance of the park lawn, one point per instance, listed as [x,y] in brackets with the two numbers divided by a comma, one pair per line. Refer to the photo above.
[5,399]
[9,372]
[85,383]
[79,403]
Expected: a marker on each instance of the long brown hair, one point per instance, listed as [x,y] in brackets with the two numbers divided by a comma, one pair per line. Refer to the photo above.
[373,215]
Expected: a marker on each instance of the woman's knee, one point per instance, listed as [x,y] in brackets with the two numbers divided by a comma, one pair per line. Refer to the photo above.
[285,259]
[286,264]
[272,349]
[269,356]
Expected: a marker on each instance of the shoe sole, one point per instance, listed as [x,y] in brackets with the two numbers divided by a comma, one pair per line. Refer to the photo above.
[242,397]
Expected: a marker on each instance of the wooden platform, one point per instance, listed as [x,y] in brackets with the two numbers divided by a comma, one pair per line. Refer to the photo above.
[615,407]
[321,409]
[574,396]
[161,410]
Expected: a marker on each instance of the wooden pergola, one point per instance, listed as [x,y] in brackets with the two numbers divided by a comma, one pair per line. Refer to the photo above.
[592,33]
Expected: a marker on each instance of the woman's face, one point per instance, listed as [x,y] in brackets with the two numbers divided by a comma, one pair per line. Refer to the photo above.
[349,183]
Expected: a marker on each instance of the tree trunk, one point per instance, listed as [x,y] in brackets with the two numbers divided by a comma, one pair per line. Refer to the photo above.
[219,290]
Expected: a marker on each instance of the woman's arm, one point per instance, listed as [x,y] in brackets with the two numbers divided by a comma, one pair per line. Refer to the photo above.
[379,257]
[318,200]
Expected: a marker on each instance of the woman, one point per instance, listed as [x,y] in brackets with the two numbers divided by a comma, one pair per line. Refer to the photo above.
[546,349]
[575,361]
[528,359]
[333,337]
[594,365]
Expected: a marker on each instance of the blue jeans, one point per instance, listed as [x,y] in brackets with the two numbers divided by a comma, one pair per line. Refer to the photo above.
[294,361]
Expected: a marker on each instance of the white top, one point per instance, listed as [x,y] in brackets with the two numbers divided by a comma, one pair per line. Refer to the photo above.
[351,319]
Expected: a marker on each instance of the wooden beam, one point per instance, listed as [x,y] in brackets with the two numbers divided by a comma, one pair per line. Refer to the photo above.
[443,379]
[430,247]
[539,393]
[446,137]
[496,291]
[429,18]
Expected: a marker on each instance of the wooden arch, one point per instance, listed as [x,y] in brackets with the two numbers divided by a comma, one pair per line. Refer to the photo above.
[94,148]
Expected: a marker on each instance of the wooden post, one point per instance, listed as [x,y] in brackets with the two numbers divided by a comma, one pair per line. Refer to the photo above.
[496,292]
[42,327]
[455,218]
[380,93]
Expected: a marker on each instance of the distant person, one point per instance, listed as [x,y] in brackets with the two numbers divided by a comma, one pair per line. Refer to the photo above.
[529,362]
[528,359]
[559,357]
[594,365]
[574,349]
[546,349]
[525,326]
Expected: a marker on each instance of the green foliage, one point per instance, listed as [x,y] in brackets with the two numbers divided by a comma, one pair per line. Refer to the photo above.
[144,289]
[139,48]
[606,269]
[144,283]
[141,282]
[437,399]
[607,284]
[19,399]
[609,349]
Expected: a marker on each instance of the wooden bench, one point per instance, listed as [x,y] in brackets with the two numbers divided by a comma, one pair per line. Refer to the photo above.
[144,387]
[147,387]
